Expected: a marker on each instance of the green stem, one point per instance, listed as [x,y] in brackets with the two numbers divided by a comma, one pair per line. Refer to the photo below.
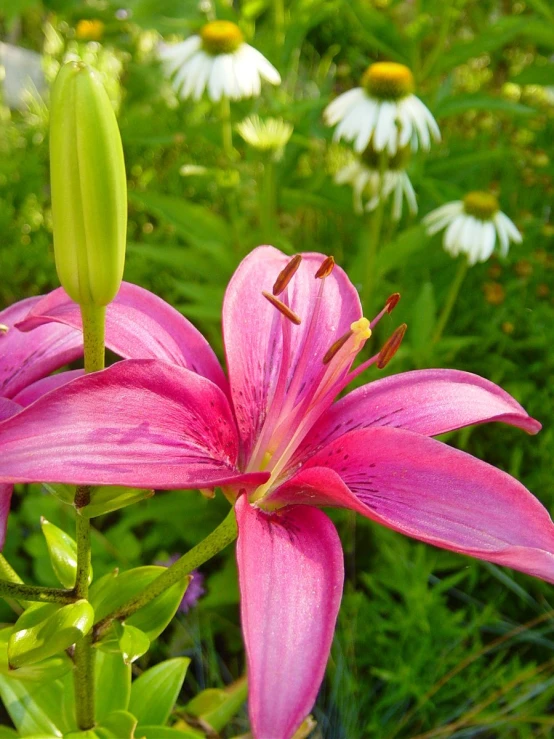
[226,128]
[220,537]
[36,593]
[451,297]
[279,20]
[94,320]
[375,228]
[268,201]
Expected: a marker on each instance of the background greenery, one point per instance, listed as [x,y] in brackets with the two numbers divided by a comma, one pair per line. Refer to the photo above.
[429,643]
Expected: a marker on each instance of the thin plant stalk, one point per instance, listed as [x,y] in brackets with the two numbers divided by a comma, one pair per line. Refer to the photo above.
[94,319]
[451,298]
[279,21]
[226,128]
[268,197]
[219,538]
[375,229]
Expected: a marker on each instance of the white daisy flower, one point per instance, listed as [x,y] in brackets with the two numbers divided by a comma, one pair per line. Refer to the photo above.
[367,181]
[271,134]
[383,110]
[472,226]
[217,60]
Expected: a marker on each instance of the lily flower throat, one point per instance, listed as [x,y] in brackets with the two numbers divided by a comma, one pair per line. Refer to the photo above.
[301,393]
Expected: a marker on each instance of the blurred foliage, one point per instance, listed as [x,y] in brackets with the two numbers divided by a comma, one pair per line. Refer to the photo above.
[428,644]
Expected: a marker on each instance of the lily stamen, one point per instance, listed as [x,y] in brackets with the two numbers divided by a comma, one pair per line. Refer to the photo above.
[326,268]
[391,346]
[286,274]
[282,308]
[335,348]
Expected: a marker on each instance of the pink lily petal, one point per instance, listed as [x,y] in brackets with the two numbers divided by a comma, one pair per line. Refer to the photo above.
[7,409]
[39,388]
[291,575]
[142,423]
[429,402]
[253,333]
[25,358]
[139,325]
[427,490]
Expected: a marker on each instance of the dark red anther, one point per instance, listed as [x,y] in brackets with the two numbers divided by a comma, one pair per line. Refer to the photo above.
[325,268]
[282,308]
[392,345]
[286,274]
[392,302]
[336,347]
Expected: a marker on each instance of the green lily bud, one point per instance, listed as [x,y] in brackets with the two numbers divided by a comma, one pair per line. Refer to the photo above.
[89,187]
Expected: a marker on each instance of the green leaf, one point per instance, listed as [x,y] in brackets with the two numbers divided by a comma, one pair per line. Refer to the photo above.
[46,670]
[113,684]
[497,35]
[63,553]
[479,101]
[103,499]
[118,725]
[536,75]
[116,589]
[217,706]
[195,223]
[423,319]
[126,640]
[46,629]
[395,254]
[154,693]
[33,708]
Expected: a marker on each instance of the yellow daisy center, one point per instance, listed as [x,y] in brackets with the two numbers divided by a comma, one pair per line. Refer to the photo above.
[388,81]
[221,37]
[481,205]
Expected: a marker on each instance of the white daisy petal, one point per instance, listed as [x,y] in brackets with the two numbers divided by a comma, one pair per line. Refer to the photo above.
[489,238]
[266,70]
[366,127]
[202,77]
[419,122]
[216,79]
[337,109]
[186,77]
[502,236]
[451,238]
[385,126]
[397,201]
[510,227]
[409,193]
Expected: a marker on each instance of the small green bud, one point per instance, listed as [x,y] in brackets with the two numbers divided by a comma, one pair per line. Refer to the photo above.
[89,187]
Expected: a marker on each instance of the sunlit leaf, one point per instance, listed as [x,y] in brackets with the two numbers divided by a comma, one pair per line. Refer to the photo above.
[154,693]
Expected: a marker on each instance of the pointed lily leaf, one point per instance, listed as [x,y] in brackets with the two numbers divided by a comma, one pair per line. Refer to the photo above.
[7,733]
[114,590]
[154,693]
[33,708]
[46,629]
[118,725]
[113,684]
[126,640]
[216,707]
[44,671]
[104,499]
[63,553]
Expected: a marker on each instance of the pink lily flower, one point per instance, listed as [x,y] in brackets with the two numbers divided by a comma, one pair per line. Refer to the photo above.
[281,448]
[134,322]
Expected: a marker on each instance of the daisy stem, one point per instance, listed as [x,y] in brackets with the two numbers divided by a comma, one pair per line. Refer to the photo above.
[375,228]
[226,128]
[279,20]
[463,265]
[219,538]
[94,321]
[268,201]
